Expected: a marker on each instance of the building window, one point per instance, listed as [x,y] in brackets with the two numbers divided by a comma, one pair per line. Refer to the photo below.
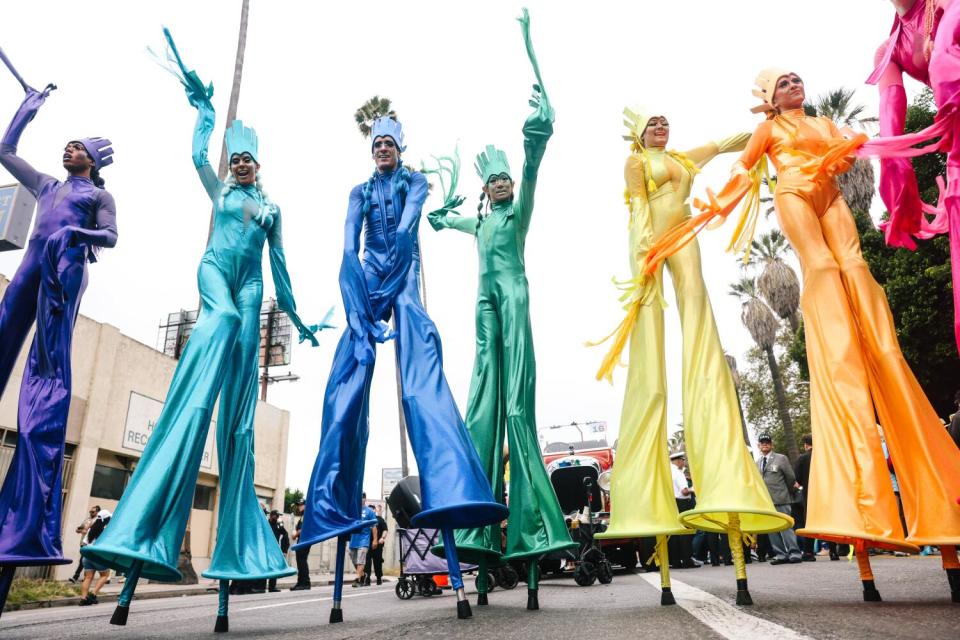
[203,498]
[108,482]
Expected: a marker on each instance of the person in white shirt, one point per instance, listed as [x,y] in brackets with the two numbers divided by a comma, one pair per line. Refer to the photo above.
[681,547]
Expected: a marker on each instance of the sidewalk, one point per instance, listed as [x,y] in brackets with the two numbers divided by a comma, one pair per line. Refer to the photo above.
[146,591]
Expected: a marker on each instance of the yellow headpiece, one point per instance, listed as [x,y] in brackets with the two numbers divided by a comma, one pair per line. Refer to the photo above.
[635,119]
[766,86]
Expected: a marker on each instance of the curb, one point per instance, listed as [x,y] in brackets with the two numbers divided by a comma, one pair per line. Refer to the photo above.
[147,595]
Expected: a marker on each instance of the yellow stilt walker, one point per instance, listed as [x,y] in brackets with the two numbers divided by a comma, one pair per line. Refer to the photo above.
[731,496]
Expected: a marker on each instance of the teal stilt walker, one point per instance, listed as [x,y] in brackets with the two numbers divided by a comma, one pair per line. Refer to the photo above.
[502,391]
[221,359]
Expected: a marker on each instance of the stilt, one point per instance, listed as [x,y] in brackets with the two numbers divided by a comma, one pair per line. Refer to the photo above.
[122,611]
[663,561]
[223,622]
[336,613]
[6,579]
[482,585]
[456,578]
[533,587]
[870,593]
[735,538]
[948,555]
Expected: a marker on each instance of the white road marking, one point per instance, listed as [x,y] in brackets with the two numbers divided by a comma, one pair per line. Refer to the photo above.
[725,619]
[292,602]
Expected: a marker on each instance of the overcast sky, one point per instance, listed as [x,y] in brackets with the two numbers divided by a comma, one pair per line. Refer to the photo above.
[455,72]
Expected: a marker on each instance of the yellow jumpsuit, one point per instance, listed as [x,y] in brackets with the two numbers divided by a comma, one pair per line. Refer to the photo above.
[726,480]
[856,366]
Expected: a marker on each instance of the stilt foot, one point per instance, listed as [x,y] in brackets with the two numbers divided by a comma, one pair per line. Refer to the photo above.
[953,576]
[870,593]
[120,615]
[223,624]
[743,594]
[482,600]
[336,615]
[463,610]
[533,602]
[666,597]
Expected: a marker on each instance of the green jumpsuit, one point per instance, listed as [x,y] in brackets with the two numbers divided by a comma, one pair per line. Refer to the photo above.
[502,391]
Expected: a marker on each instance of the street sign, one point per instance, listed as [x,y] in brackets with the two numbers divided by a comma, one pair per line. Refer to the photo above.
[16,212]
[391,477]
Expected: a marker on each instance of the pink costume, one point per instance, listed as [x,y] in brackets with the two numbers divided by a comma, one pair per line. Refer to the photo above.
[936,23]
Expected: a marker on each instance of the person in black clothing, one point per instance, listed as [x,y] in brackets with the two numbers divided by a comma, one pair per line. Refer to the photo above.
[954,428]
[802,472]
[375,557]
[283,539]
[303,569]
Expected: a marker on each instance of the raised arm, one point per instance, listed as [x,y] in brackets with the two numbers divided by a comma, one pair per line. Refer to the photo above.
[536,133]
[21,170]
[202,132]
[703,154]
[281,281]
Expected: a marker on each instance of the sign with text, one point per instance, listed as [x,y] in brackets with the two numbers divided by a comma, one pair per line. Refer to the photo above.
[142,415]
[391,476]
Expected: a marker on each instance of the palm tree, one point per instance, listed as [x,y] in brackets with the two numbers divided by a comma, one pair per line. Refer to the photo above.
[375,107]
[778,283]
[857,184]
[735,374]
[762,324]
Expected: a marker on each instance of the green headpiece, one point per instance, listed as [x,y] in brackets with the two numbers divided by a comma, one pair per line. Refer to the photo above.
[491,162]
[241,139]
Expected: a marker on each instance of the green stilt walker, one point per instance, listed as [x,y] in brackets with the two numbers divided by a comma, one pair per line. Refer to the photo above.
[502,390]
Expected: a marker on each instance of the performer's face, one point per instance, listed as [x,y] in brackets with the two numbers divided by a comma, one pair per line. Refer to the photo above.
[244,168]
[499,188]
[386,156]
[75,158]
[789,93]
[657,132]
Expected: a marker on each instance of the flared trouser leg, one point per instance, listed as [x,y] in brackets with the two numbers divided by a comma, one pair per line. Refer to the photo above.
[641,488]
[31,497]
[486,425]
[336,483]
[149,523]
[246,547]
[18,310]
[924,458]
[454,490]
[724,474]
[536,524]
[850,493]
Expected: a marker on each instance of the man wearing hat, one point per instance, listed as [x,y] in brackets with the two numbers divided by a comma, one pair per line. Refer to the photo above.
[283,539]
[781,483]
[303,553]
[681,547]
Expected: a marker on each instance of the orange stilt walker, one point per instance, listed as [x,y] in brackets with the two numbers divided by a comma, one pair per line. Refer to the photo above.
[856,366]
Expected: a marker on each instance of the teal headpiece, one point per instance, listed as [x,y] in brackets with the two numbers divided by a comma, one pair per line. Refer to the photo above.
[241,139]
[491,162]
[387,126]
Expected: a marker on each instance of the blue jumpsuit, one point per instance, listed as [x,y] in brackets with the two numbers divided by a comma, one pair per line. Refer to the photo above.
[221,359]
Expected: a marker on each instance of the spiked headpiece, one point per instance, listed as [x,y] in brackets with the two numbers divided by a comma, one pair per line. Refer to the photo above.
[766,86]
[635,119]
[99,150]
[388,127]
[241,139]
[491,162]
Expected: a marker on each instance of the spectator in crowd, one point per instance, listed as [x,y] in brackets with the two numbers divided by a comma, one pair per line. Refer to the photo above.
[803,477]
[90,567]
[375,557]
[303,569]
[82,530]
[954,428]
[681,547]
[360,543]
[781,483]
[283,539]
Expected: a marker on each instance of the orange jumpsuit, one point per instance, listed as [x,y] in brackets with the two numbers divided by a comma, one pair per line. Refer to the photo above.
[856,366]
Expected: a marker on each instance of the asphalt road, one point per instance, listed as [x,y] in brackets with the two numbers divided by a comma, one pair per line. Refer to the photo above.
[810,600]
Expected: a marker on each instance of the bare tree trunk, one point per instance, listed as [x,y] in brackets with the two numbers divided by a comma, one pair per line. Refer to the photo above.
[794,320]
[793,452]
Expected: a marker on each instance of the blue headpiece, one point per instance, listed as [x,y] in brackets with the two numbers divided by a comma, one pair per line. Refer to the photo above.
[387,126]
[241,139]
[99,150]
[491,162]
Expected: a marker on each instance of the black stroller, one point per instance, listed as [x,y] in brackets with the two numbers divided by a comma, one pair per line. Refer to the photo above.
[574,479]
